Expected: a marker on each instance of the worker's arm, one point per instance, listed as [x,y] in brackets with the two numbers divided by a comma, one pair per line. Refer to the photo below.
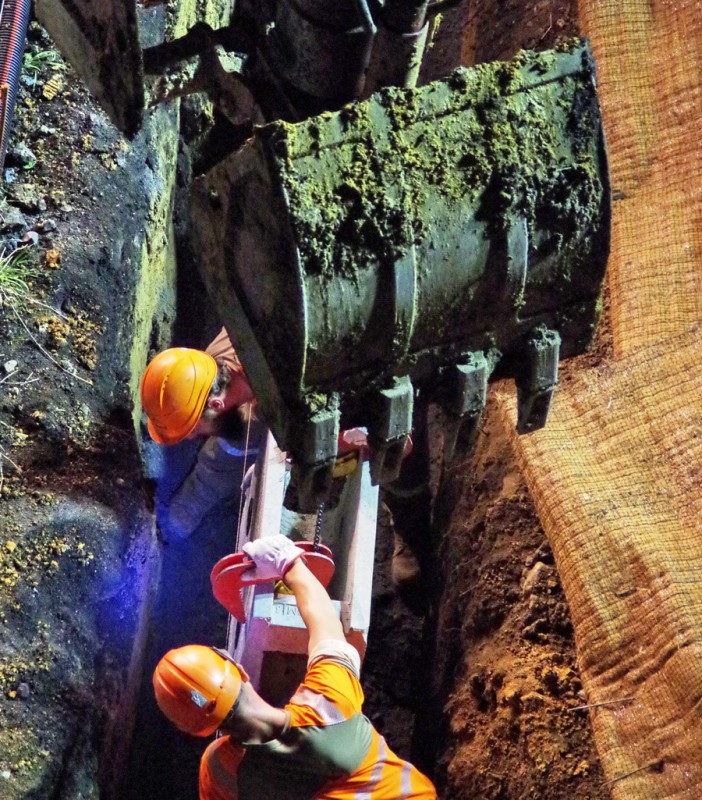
[314,605]
[278,557]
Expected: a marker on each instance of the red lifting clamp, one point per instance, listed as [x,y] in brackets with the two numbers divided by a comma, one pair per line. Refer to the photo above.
[229,575]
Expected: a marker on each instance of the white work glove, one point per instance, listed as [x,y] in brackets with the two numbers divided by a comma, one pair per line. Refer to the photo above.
[273,556]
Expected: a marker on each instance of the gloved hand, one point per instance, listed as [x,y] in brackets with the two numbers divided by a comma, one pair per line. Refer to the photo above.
[273,556]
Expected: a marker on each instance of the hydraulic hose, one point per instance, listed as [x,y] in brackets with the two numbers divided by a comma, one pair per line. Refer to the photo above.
[14,18]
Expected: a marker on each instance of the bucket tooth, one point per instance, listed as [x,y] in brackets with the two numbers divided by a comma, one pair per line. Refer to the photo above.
[391,424]
[317,440]
[386,460]
[314,442]
[313,484]
[463,396]
[536,379]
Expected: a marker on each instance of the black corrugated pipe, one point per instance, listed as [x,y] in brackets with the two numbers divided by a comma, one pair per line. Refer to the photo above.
[14,18]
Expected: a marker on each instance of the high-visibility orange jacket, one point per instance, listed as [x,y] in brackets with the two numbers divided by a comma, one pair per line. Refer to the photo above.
[328,751]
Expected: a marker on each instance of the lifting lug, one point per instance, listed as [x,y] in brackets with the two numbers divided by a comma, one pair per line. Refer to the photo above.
[229,576]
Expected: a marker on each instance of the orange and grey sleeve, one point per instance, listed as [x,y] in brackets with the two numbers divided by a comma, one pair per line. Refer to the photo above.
[328,695]
[219,767]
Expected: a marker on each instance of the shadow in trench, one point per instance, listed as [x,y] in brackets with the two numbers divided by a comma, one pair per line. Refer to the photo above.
[163,762]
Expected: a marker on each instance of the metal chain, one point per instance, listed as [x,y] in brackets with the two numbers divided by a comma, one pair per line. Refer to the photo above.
[318,527]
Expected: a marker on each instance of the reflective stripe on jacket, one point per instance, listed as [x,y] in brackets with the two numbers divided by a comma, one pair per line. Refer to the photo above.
[329,752]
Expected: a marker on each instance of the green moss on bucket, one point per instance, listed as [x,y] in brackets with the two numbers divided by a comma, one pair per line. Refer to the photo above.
[503,138]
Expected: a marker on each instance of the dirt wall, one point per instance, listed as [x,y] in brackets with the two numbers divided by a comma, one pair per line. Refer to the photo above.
[82,234]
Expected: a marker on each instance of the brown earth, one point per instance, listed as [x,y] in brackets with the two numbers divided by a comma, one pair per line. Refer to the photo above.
[481,689]
[503,719]
[505,667]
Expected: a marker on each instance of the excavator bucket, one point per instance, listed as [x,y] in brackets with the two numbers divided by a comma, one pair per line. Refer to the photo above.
[233,573]
[427,238]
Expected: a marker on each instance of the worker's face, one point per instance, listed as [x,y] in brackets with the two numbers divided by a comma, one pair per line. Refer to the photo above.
[221,417]
[236,393]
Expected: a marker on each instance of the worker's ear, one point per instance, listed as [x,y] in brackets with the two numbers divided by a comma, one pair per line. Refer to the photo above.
[215,404]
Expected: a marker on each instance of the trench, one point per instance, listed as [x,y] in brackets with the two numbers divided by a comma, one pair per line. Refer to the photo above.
[163,763]
[418,676]
[408,683]
[500,724]
[470,674]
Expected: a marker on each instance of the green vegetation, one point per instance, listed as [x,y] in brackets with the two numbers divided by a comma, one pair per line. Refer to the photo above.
[15,271]
[34,64]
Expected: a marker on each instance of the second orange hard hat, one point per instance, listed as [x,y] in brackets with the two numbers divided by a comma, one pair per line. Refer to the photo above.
[174,390]
[196,687]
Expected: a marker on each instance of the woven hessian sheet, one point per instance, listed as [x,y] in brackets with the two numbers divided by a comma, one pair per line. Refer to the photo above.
[615,479]
[649,63]
[615,475]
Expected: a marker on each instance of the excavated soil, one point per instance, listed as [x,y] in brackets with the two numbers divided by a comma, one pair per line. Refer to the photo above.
[505,665]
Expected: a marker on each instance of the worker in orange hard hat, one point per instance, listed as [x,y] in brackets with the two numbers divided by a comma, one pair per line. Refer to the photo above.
[188,393]
[197,686]
[175,389]
[319,746]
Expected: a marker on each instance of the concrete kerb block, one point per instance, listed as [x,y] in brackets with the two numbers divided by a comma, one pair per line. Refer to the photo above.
[273,624]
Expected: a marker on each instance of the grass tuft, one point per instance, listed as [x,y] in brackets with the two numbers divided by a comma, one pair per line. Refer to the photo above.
[15,269]
[35,62]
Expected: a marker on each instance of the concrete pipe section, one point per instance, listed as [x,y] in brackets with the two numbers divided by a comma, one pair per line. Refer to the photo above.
[271,642]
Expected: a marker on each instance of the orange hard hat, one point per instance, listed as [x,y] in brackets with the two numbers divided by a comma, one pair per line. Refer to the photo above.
[196,687]
[174,390]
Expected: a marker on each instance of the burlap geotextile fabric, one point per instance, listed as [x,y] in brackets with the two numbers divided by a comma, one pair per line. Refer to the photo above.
[615,475]
[649,63]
